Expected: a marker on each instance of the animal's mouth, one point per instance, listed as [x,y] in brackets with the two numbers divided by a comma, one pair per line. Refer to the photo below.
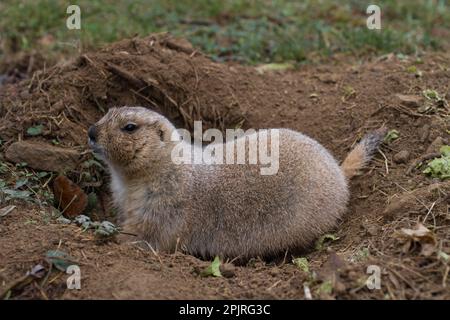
[97,149]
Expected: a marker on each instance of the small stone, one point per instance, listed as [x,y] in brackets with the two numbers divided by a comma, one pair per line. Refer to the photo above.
[58,107]
[42,156]
[372,230]
[409,100]
[402,156]
[274,272]
[25,95]
[339,287]
[328,79]
[424,132]
[435,145]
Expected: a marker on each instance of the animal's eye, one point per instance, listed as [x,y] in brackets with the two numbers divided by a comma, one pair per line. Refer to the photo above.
[130,127]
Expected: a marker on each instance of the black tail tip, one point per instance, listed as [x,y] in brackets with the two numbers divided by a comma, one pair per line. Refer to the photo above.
[374,139]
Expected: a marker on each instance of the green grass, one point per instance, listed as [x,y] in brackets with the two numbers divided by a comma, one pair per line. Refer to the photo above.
[246,31]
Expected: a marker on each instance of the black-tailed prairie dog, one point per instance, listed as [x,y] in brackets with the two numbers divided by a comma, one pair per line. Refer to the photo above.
[229,210]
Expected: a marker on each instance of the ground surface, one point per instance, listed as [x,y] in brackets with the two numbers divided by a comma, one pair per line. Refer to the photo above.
[335,103]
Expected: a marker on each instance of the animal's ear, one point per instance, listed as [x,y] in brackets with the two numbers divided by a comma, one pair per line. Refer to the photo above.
[163,130]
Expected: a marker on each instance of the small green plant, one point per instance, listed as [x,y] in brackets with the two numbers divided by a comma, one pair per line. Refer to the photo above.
[325,288]
[104,229]
[440,167]
[431,94]
[213,269]
[411,69]
[35,130]
[17,194]
[414,70]
[361,255]
[25,185]
[391,136]
[348,91]
[59,259]
[83,221]
[21,165]
[434,101]
[302,264]
[324,240]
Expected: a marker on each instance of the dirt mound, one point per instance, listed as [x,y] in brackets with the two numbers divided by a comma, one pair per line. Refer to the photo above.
[392,202]
[157,72]
[18,67]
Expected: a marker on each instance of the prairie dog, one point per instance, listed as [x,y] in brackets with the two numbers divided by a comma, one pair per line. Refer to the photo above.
[227,210]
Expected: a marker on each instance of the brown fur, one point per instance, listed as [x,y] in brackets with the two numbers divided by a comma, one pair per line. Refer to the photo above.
[225,210]
[362,153]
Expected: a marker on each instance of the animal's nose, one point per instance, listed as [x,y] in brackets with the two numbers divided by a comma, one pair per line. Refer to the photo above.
[92,133]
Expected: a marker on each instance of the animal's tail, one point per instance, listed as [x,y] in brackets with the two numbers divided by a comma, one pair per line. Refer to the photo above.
[363,152]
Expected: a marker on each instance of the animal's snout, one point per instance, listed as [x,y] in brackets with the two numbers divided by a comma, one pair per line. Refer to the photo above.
[92,133]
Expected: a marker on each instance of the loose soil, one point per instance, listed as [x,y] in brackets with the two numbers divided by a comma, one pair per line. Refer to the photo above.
[335,103]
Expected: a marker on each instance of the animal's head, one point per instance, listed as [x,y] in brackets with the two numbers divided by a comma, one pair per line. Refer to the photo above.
[132,138]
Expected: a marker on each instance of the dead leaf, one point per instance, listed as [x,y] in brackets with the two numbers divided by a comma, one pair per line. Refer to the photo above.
[6,210]
[419,235]
[37,272]
[69,197]
[324,240]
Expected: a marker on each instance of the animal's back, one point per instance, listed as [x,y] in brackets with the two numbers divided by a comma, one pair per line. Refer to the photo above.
[245,213]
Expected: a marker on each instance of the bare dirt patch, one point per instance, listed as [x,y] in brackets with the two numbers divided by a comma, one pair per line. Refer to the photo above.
[334,103]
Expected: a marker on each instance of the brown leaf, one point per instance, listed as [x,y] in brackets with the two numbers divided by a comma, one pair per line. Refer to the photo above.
[69,197]
[421,235]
